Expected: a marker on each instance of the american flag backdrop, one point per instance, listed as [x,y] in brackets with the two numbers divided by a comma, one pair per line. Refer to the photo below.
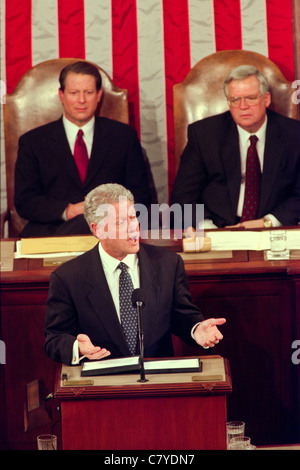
[146,46]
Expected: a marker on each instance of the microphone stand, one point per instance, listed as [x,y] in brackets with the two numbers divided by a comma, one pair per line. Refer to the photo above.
[139,306]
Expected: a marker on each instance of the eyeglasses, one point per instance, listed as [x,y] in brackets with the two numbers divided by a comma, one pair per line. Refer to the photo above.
[235,102]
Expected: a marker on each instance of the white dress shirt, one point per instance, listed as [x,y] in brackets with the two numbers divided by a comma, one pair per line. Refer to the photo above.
[72,130]
[244,141]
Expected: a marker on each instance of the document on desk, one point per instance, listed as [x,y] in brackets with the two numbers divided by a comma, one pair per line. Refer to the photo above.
[239,240]
[249,240]
[126,364]
[293,239]
[49,246]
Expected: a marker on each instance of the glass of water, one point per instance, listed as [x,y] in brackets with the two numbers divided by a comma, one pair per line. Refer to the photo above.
[47,442]
[234,429]
[278,239]
[240,443]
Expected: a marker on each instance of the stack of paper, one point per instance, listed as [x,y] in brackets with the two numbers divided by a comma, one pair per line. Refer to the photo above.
[59,246]
[249,240]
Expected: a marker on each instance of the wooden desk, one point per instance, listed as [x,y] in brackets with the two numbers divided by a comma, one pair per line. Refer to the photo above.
[261,301]
[170,411]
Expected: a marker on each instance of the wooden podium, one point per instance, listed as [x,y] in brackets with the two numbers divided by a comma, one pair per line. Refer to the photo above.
[174,411]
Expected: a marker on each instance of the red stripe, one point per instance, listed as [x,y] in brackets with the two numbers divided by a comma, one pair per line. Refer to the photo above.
[71,28]
[177,64]
[18,41]
[280,36]
[125,55]
[228,33]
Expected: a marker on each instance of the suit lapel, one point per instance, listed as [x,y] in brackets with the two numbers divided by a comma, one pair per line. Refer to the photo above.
[100,298]
[150,284]
[99,295]
[231,160]
[99,149]
[273,154]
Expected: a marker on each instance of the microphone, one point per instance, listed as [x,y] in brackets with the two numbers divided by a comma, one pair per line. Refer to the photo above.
[138,302]
[137,298]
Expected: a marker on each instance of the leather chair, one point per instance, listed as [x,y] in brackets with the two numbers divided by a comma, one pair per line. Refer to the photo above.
[201,94]
[35,102]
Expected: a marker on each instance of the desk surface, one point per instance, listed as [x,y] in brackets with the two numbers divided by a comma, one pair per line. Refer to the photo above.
[213,379]
[235,263]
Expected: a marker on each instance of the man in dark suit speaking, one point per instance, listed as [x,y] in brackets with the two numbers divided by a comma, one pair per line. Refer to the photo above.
[85,313]
[57,166]
[260,191]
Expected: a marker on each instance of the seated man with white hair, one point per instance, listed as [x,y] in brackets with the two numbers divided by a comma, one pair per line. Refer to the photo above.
[244,164]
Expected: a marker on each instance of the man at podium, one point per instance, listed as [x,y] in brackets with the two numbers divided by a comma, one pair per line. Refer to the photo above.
[89,312]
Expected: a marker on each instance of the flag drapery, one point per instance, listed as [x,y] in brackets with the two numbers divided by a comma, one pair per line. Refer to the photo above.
[146,46]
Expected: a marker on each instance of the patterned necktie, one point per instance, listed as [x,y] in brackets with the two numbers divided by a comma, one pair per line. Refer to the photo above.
[253,178]
[127,311]
[81,156]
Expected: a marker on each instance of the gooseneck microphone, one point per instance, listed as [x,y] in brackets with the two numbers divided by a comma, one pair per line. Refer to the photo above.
[138,302]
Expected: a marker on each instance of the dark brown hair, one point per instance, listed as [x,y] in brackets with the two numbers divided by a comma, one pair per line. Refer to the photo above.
[85,68]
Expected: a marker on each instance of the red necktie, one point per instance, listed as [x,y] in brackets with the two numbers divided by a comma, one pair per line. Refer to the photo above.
[252,187]
[81,156]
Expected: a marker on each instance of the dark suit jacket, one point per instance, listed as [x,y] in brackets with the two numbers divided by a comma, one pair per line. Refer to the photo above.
[46,176]
[80,302]
[210,171]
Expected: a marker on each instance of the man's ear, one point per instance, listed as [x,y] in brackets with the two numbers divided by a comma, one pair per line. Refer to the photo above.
[96,229]
[268,99]
[61,95]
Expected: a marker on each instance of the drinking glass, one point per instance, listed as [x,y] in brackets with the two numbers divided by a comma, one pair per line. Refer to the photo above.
[234,429]
[47,442]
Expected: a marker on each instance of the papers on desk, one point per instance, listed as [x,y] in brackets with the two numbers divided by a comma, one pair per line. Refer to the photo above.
[126,364]
[249,240]
[47,247]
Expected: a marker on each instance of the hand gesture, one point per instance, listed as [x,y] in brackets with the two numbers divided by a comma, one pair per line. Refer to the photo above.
[87,349]
[207,334]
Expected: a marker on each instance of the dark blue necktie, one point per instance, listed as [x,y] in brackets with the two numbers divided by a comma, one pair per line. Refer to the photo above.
[127,311]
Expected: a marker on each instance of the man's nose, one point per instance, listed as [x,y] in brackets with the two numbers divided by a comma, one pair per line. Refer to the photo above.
[81,96]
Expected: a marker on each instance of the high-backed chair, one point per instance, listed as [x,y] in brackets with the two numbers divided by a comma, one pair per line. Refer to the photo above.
[35,102]
[201,94]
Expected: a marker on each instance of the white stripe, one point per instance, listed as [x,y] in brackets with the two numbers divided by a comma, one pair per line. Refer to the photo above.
[98,33]
[202,29]
[3,88]
[151,70]
[254,26]
[44,31]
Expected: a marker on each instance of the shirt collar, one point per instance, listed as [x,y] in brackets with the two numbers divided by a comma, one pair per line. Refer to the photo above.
[110,263]
[260,134]
[72,129]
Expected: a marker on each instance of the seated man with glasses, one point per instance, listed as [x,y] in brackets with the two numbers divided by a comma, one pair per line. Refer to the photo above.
[244,164]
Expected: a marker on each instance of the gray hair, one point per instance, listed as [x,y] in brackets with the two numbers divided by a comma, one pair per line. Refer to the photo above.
[103,196]
[245,71]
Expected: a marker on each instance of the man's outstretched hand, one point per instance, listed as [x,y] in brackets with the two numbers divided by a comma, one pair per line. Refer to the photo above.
[207,333]
[87,349]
